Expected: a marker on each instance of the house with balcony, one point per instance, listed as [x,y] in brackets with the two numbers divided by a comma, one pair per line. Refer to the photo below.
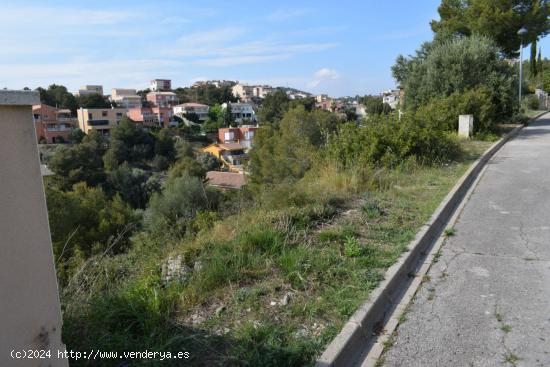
[243,135]
[99,119]
[151,116]
[391,97]
[52,125]
[127,98]
[162,99]
[241,112]
[232,155]
[184,109]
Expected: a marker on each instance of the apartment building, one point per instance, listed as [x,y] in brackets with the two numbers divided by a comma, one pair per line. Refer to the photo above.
[151,116]
[52,125]
[246,93]
[127,98]
[90,89]
[201,110]
[241,112]
[100,119]
[160,85]
[243,135]
[162,99]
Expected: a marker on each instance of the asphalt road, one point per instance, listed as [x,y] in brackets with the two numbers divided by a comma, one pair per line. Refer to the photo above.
[487,299]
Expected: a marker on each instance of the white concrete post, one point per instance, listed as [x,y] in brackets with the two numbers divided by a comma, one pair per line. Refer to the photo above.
[30,316]
[465,126]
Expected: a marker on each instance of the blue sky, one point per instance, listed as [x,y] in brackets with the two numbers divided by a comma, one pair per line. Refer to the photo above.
[335,47]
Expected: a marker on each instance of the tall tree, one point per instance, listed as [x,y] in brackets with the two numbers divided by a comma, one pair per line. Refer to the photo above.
[498,19]
[533,59]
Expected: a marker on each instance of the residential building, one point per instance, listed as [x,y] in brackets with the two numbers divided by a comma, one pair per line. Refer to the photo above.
[321,98]
[127,98]
[391,97]
[151,116]
[225,180]
[52,125]
[232,155]
[325,104]
[162,99]
[100,119]
[90,89]
[246,93]
[160,85]
[241,112]
[201,110]
[243,135]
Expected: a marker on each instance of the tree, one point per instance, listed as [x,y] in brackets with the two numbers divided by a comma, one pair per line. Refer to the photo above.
[374,105]
[76,136]
[533,59]
[179,203]
[273,107]
[134,185]
[227,116]
[457,65]
[164,145]
[87,222]
[58,96]
[284,152]
[80,163]
[93,100]
[497,19]
[128,143]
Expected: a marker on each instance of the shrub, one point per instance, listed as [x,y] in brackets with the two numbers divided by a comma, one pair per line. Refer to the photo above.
[390,143]
[519,118]
[531,102]
[179,203]
[443,113]
[352,248]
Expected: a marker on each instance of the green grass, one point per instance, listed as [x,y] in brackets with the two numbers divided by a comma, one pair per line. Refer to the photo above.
[533,113]
[326,241]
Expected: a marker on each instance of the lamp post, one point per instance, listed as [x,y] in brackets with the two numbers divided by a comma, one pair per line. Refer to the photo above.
[521,33]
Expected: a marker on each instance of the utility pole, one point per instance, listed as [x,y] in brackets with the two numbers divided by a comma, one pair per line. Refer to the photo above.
[521,33]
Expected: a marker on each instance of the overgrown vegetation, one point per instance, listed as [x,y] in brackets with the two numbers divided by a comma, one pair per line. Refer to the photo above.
[151,258]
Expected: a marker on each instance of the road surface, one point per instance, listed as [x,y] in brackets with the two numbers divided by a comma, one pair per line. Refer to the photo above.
[486,301]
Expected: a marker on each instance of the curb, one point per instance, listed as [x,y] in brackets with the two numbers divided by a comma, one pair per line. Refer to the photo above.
[374,316]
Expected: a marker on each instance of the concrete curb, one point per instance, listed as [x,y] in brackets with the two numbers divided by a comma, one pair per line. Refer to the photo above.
[352,345]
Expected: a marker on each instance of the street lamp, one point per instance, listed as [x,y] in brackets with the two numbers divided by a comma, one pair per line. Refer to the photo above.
[522,32]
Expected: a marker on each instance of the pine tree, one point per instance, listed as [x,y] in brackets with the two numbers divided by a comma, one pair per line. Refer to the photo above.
[533,61]
[540,66]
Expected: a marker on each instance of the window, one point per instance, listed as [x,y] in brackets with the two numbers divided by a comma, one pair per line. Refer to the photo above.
[89,115]
[248,135]
[104,113]
[229,136]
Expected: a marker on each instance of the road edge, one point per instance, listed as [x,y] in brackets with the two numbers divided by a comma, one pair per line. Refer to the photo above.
[362,337]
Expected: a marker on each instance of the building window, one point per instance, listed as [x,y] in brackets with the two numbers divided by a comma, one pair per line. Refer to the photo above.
[104,113]
[229,136]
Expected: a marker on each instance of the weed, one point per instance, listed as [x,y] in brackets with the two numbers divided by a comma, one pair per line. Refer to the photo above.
[449,232]
[511,358]
[352,248]
[506,328]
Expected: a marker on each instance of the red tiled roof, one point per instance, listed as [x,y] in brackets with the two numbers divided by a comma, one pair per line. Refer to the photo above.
[231,146]
[228,180]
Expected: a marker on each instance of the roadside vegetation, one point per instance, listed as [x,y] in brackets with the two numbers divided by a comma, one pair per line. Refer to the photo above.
[151,258]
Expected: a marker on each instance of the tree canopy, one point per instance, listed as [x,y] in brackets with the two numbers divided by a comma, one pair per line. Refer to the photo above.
[497,19]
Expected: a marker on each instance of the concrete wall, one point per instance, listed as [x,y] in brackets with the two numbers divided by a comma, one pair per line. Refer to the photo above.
[30,316]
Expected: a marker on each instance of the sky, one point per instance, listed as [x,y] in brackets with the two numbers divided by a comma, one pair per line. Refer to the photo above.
[335,47]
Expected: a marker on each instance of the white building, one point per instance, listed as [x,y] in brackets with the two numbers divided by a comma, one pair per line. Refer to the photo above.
[160,85]
[89,89]
[391,97]
[201,110]
[246,92]
[127,98]
[241,112]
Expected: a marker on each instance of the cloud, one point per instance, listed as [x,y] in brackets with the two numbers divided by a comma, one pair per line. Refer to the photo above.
[282,15]
[323,75]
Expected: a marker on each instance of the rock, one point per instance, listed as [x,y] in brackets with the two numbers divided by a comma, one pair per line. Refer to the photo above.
[174,269]
[219,310]
[197,319]
[273,303]
[302,333]
[286,299]
[197,266]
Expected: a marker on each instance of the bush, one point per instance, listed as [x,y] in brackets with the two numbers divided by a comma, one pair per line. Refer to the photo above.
[532,102]
[442,113]
[179,203]
[519,118]
[390,143]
